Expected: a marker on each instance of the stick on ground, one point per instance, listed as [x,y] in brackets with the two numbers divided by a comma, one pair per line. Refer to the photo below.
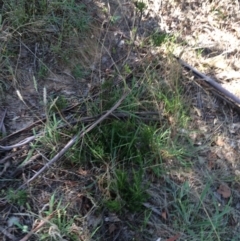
[227,94]
[74,139]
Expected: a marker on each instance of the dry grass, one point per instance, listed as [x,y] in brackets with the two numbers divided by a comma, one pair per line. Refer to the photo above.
[165,164]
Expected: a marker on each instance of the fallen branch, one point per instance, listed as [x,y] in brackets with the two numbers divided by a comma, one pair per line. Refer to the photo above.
[74,139]
[145,116]
[225,94]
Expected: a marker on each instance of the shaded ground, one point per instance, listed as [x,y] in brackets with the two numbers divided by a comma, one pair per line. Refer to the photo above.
[207,36]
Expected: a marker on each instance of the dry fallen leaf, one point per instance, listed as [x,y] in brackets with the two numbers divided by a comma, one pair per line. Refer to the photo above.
[82,172]
[112,217]
[224,190]
[211,158]
[164,215]
[217,62]
[220,141]
[174,237]
[112,228]
[211,165]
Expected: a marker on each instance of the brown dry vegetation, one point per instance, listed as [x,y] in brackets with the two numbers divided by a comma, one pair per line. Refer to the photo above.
[163,165]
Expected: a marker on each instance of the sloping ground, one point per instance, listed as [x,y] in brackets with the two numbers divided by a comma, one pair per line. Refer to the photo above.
[208,36]
[211,33]
[192,193]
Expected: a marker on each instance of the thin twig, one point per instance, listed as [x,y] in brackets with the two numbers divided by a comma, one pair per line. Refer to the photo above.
[6,233]
[74,139]
[19,144]
[34,230]
[155,210]
[140,115]
[12,155]
[2,127]
[40,121]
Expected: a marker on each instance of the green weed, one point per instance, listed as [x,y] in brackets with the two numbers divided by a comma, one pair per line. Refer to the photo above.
[140,5]
[135,193]
[23,228]
[58,104]
[158,38]
[131,147]
[127,191]
[52,136]
[17,197]
[42,71]
[60,225]
[206,217]
[78,71]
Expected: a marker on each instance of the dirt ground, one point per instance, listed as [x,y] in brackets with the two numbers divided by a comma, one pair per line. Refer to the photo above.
[206,36]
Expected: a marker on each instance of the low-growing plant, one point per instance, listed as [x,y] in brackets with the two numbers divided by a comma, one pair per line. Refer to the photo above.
[59,225]
[158,38]
[17,197]
[127,191]
[78,71]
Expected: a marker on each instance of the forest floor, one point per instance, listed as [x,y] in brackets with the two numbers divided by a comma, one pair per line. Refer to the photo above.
[104,135]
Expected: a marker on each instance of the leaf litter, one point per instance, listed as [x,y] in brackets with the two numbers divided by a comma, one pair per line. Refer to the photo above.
[208,27]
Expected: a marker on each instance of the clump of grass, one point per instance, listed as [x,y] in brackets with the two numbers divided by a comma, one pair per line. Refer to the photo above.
[127,191]
[58,104]
[198,216]
[60,224]
[16,197]
[131,147]
[157,39]
[128,149]
[78,71]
